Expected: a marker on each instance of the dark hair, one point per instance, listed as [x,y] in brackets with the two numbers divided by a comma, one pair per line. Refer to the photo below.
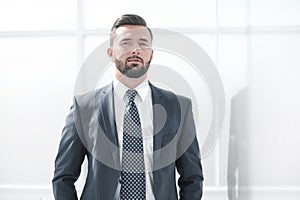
[129,19]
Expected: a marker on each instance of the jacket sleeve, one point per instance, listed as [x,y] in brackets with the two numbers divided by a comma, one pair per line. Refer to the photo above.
[189,163]
[68,161]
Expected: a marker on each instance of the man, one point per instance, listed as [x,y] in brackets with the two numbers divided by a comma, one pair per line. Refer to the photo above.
[133,134]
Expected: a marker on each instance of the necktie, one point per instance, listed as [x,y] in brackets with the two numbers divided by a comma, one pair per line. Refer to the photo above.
[133,166]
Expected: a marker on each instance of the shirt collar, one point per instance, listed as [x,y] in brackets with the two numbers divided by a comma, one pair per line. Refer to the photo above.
[142,89]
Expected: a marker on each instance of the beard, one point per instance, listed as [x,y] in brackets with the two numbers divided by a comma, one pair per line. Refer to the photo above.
[132,70]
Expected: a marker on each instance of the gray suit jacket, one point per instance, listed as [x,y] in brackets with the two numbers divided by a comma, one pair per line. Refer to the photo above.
[90,131]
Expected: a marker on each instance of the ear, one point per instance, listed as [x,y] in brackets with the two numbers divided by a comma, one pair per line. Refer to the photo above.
[151,55]
[110,53]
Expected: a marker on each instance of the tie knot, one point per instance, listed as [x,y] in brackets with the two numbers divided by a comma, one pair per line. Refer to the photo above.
[131,95]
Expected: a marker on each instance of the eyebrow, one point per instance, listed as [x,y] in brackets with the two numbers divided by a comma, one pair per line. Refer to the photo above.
[125,39]
[141,39]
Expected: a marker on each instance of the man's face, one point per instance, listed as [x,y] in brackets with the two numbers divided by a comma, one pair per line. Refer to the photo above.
[131,50]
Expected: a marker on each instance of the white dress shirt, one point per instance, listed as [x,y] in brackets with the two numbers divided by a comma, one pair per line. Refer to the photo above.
[143,101]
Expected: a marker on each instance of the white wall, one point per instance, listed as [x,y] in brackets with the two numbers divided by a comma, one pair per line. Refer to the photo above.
[254,44]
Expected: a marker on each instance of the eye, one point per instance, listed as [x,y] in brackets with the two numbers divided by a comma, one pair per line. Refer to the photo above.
[144,45]
[125,43]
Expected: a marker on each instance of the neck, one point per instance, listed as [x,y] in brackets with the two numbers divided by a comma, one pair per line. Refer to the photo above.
[130,82]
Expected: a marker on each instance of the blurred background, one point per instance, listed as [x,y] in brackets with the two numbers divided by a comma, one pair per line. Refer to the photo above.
[254,44]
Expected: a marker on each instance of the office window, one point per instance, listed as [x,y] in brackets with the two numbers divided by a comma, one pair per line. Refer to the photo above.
[253,43]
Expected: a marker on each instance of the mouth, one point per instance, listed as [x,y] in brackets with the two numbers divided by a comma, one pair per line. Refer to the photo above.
[134,59]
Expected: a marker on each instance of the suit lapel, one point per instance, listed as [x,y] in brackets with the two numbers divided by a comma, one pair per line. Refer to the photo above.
[107,114]
[166,120]
[157,104]
[106,119]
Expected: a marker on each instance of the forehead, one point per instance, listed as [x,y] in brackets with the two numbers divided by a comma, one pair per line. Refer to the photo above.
[133,32]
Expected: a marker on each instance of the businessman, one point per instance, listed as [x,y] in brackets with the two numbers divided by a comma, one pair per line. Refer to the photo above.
[133,134]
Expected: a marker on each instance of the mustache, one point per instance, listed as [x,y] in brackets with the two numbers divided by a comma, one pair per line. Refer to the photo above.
[135,57]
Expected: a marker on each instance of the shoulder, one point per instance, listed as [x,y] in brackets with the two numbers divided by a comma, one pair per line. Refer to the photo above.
[87,99]
[169,95]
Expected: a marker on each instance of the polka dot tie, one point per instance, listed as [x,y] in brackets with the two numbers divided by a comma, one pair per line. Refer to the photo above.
[133,166]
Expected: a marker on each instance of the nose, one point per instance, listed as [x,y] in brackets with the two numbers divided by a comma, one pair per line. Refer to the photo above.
[135,48]
[135,51]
